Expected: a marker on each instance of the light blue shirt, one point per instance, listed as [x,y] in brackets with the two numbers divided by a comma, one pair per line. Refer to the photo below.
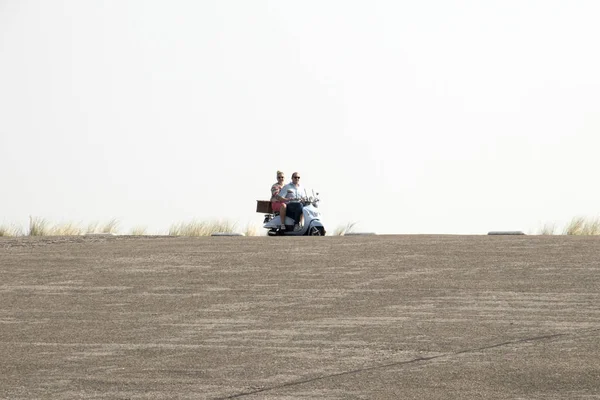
[290,191]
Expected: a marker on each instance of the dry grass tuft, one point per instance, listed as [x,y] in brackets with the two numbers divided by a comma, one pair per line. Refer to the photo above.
[138,231]
[38,227]
[111,226]
[342,230]
[575,227]
[592,227]
[251,230]
[10,230]
[92,227]
[201,228]
[578,226]
[548,229]
[66,229]
[583,226]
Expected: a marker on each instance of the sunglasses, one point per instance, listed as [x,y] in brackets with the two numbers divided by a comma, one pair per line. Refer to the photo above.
[295,177]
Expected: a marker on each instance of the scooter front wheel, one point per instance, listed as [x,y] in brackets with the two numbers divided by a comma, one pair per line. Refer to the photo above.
[316,231]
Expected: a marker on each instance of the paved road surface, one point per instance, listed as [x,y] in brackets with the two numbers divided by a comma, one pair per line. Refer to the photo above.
[363,317]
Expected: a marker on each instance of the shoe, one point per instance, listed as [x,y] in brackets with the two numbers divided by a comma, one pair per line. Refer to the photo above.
[282,227]
[297,228]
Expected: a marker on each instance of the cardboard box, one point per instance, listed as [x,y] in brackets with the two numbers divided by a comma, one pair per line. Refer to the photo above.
[264,206]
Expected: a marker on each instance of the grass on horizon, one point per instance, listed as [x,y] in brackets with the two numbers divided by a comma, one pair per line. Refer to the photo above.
[251,230]
[39,226]
[547,229]
[42,227]
[578,226]
[111,226]
[583,226]
[344,229]
[201,228]
[10,230]
[138,231]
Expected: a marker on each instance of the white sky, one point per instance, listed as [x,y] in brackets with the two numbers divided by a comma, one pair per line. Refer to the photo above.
[407,116]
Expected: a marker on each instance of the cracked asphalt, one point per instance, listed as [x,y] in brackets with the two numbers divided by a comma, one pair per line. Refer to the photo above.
[357,317]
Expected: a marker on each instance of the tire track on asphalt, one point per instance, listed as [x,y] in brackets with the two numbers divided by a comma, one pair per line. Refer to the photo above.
[298,382]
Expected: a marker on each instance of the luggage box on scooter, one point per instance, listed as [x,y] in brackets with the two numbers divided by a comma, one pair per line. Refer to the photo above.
[264,206]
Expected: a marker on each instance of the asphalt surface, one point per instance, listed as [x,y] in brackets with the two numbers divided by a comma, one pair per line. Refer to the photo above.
[362,317]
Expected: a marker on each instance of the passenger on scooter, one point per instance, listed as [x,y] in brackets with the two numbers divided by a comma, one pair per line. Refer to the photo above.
[275,189]
[289,192]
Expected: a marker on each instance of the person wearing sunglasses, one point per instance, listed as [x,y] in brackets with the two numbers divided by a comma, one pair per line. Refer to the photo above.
[289,192]
[275,189]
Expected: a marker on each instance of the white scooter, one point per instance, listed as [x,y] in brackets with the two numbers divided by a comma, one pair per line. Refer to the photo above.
[311,225]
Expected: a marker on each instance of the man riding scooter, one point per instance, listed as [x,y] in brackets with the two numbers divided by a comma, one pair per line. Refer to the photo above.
[288,193]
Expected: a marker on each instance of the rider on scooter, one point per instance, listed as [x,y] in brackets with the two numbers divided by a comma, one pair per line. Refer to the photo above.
[289,192]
